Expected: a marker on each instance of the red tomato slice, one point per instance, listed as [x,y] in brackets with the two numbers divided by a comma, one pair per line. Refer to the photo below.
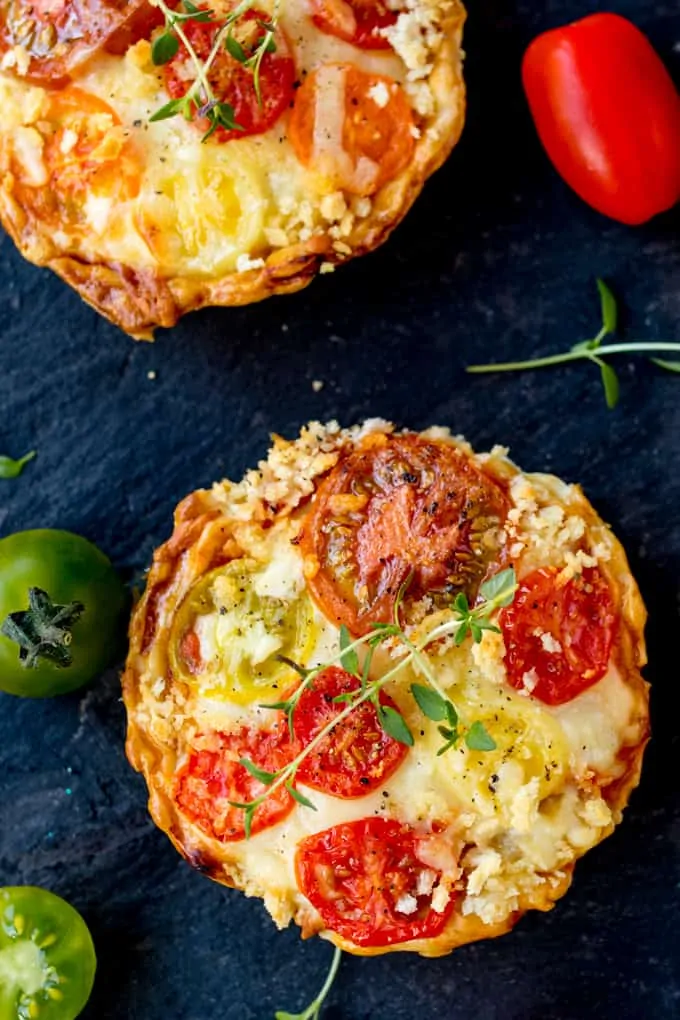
[354,128]
[365,880]
[356,21]
[231,82]
[560,635]
[59,35]
[608,115]
[399,504]
[358,756]
[212,777]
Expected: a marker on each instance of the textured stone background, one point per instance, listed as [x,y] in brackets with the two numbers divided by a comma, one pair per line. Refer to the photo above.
[496,260]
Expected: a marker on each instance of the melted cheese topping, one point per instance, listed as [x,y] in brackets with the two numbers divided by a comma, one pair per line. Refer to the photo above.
[203,210]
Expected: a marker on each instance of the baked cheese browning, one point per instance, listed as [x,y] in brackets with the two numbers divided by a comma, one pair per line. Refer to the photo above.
[312,797]
[326,147]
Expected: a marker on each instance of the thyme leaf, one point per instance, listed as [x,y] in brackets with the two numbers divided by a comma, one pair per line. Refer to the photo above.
[394,725]
[608,307]
[261,774]
[234,49]
[477,738]
[670,366]
[10,468]
[299,797]
[163,48]
[349,658]
[430,702]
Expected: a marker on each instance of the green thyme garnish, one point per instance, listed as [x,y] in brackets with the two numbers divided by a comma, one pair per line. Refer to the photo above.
[594,351]
[10,468]
[313,1011]
[496,592]
[200,97]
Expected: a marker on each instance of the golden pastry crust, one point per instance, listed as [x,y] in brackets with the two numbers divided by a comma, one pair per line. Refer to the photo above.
[205,536]
[140,299]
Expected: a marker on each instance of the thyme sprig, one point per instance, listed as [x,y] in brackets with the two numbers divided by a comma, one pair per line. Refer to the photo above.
[200,96]
[496,592]
[313,1011]
[594,351]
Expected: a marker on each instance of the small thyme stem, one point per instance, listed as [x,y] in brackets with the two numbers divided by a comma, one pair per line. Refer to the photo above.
[420,658]
[314,672]
[561,359]
[200,67]
[312,1011]
[224,30]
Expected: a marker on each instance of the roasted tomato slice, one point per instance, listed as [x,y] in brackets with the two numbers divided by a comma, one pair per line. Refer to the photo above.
[356,21]
[76,152]
[231,82]
[394,506]
[358,756]
[58,35]
[213,776]
[370,884]
[558,638]
[88,149]
[353,128]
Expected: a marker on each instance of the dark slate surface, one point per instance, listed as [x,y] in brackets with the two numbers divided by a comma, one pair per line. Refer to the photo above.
[496,260]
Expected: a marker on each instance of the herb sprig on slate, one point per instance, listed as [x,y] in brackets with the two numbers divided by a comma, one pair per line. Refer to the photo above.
[313,1011]
[496,592]
[594,351]
[200,97]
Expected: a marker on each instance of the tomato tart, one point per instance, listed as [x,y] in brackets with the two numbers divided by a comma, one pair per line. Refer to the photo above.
[390,686]
[164,156]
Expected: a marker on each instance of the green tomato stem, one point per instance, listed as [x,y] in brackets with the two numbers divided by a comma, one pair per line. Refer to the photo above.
[328,983]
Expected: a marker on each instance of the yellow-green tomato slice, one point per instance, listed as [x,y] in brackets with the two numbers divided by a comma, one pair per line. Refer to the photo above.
[229,635]
[47,959]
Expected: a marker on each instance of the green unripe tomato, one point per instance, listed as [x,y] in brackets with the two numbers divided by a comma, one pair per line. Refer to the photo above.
[63,611]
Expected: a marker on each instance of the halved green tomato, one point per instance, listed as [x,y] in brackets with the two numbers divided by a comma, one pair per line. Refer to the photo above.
[47,959]
[228,635]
